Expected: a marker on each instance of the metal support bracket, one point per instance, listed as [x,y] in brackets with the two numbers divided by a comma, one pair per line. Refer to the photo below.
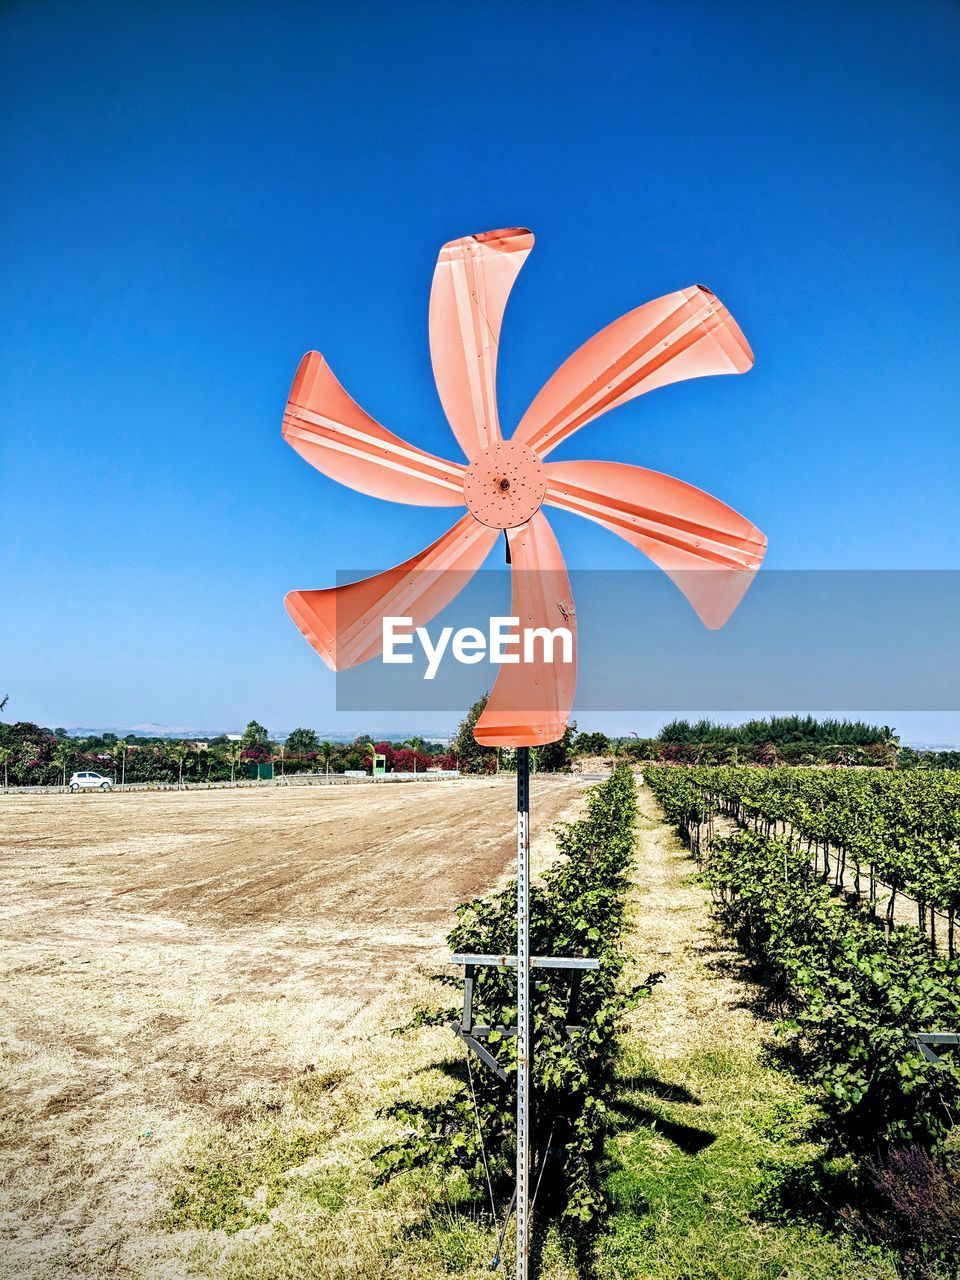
[473,1035]
[925,1041]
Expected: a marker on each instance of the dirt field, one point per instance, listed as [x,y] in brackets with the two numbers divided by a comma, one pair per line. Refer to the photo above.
[169,958]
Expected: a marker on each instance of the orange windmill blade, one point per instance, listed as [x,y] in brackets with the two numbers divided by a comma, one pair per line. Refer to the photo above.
[327,427]
[345,624]
[688,334]
[471,285]
[531,701]
[709,551]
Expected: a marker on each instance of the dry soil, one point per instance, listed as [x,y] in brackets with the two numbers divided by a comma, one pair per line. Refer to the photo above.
[168,958]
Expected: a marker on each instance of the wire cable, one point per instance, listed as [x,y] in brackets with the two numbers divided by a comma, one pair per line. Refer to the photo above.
[483,1148]
[543,1165]
[503,1230]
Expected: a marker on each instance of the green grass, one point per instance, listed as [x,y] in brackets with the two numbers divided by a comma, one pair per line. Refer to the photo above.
[237,1187]
[290,1194]
[698,1142]
[294,1197]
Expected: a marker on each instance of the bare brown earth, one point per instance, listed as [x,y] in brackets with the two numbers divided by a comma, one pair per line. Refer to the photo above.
[169,958]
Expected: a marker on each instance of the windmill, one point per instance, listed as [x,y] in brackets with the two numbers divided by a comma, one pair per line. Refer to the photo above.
[708,550]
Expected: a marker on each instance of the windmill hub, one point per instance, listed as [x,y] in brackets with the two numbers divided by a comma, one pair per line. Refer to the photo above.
[505,484]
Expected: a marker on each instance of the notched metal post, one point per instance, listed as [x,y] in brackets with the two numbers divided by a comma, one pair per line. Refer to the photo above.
[523,1011]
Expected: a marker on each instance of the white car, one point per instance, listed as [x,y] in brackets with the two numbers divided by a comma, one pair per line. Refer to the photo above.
[87,779]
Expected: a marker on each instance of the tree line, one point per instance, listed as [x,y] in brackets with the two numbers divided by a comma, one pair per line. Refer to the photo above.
[31,755]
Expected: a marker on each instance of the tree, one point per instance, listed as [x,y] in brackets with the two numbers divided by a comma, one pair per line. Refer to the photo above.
[120,753]
[233,751]
[416,745]
[591,744]
[62,757]
[302,742]
[641,749]
[5,754]
[888,751]
[767,754]
[554,756]
[180,751]
[471,756]
[407,760]
[255,735]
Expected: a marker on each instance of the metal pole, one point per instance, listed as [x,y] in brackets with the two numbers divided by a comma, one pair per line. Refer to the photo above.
[523,1009]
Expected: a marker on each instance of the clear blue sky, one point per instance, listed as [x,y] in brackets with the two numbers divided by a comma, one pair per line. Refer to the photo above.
[195,195]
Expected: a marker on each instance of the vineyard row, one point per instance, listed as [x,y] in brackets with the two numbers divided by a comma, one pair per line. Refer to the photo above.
[888,829]
[852,993]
